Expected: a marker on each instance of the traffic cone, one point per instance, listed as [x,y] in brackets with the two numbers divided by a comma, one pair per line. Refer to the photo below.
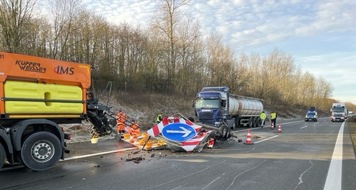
[272,127]
[248,138]
[279,128]
[211,143]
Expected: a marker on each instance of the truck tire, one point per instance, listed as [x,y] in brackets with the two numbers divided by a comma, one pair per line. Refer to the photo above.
[233,127]
[228,134]
[41,151]
[250,123]
[254,122]
[258,122]
[237,122]
[2,156]
[225,132]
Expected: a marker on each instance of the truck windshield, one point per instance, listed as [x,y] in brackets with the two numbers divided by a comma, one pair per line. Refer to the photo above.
[338,109]
[201,103]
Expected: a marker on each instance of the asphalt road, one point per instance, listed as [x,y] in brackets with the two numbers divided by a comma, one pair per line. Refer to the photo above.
[305,155]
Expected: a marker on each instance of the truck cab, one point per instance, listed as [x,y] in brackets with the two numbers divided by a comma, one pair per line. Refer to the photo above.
[338,112]
[211,105]
[208,107]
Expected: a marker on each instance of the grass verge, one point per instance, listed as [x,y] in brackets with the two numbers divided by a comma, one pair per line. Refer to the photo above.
[351,123]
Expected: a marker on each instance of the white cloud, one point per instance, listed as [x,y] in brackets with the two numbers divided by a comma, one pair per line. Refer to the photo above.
[318,33]
[337,68]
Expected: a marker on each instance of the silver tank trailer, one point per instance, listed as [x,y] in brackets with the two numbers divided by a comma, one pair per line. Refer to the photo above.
[244,106]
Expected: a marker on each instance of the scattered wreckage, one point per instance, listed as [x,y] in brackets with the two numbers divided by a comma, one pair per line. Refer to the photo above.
[179,134]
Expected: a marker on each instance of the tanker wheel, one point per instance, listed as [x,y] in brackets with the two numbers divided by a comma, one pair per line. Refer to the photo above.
[258,122]
[41,151]
[2,155]
[233,127]
[253,122]
[237,122]
[250,123]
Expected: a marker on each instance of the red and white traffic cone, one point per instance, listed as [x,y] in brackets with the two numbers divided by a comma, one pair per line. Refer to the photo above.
[272,127]
[248,138]
[211,142]
[279,129]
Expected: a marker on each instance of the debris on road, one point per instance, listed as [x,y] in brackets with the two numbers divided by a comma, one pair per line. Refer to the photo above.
[178,134]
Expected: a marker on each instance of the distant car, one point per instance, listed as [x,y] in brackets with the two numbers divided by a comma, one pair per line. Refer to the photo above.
[311,116]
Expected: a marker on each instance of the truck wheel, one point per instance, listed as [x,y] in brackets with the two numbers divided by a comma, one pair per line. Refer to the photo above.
[233,127]
[2,155]
[41,151]
[254,123]
[228,134]
[237,122]
[258,121]
[250,123]
[224,131]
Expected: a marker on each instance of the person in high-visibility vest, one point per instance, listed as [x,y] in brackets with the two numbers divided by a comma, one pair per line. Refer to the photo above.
[120,127]
[263,118]
[120,122]
[134,129]
[273,119]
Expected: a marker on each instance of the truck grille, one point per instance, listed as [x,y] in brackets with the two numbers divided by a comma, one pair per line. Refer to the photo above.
[337,115]
[205,115]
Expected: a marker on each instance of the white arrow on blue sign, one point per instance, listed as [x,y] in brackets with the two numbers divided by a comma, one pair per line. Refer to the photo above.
[179,132]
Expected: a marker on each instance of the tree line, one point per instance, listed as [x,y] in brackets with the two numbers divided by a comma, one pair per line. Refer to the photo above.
[169,56]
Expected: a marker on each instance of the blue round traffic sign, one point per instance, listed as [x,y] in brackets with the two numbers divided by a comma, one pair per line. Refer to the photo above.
[179,132]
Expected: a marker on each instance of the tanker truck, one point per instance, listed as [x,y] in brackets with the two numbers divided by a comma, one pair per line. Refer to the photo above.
[216,104]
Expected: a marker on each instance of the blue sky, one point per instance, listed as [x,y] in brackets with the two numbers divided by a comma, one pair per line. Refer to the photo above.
[319,34]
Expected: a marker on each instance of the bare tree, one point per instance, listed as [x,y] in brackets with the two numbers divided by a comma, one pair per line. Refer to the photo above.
[189,56]
[38,32]
[241,76]
[15,16]
[221,61]
[323,92]
[165,22]
[62,14]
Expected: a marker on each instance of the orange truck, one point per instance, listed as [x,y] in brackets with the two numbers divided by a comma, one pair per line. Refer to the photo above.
[37,96]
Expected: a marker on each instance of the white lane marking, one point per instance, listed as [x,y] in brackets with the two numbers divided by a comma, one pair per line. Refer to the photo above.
[98,154]
[333,179]
[285,123]
[77,157]
[303,127]
[266,139]
[266,126]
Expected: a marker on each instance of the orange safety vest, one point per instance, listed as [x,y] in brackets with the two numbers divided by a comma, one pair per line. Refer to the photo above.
[120,126]
[118,116]
[134,129]
[121,119]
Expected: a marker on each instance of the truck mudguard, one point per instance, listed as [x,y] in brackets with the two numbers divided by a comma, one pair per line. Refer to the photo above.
[6,138]
[18,129]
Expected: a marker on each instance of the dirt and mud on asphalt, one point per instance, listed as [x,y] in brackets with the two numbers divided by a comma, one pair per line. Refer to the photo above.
[124,151]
